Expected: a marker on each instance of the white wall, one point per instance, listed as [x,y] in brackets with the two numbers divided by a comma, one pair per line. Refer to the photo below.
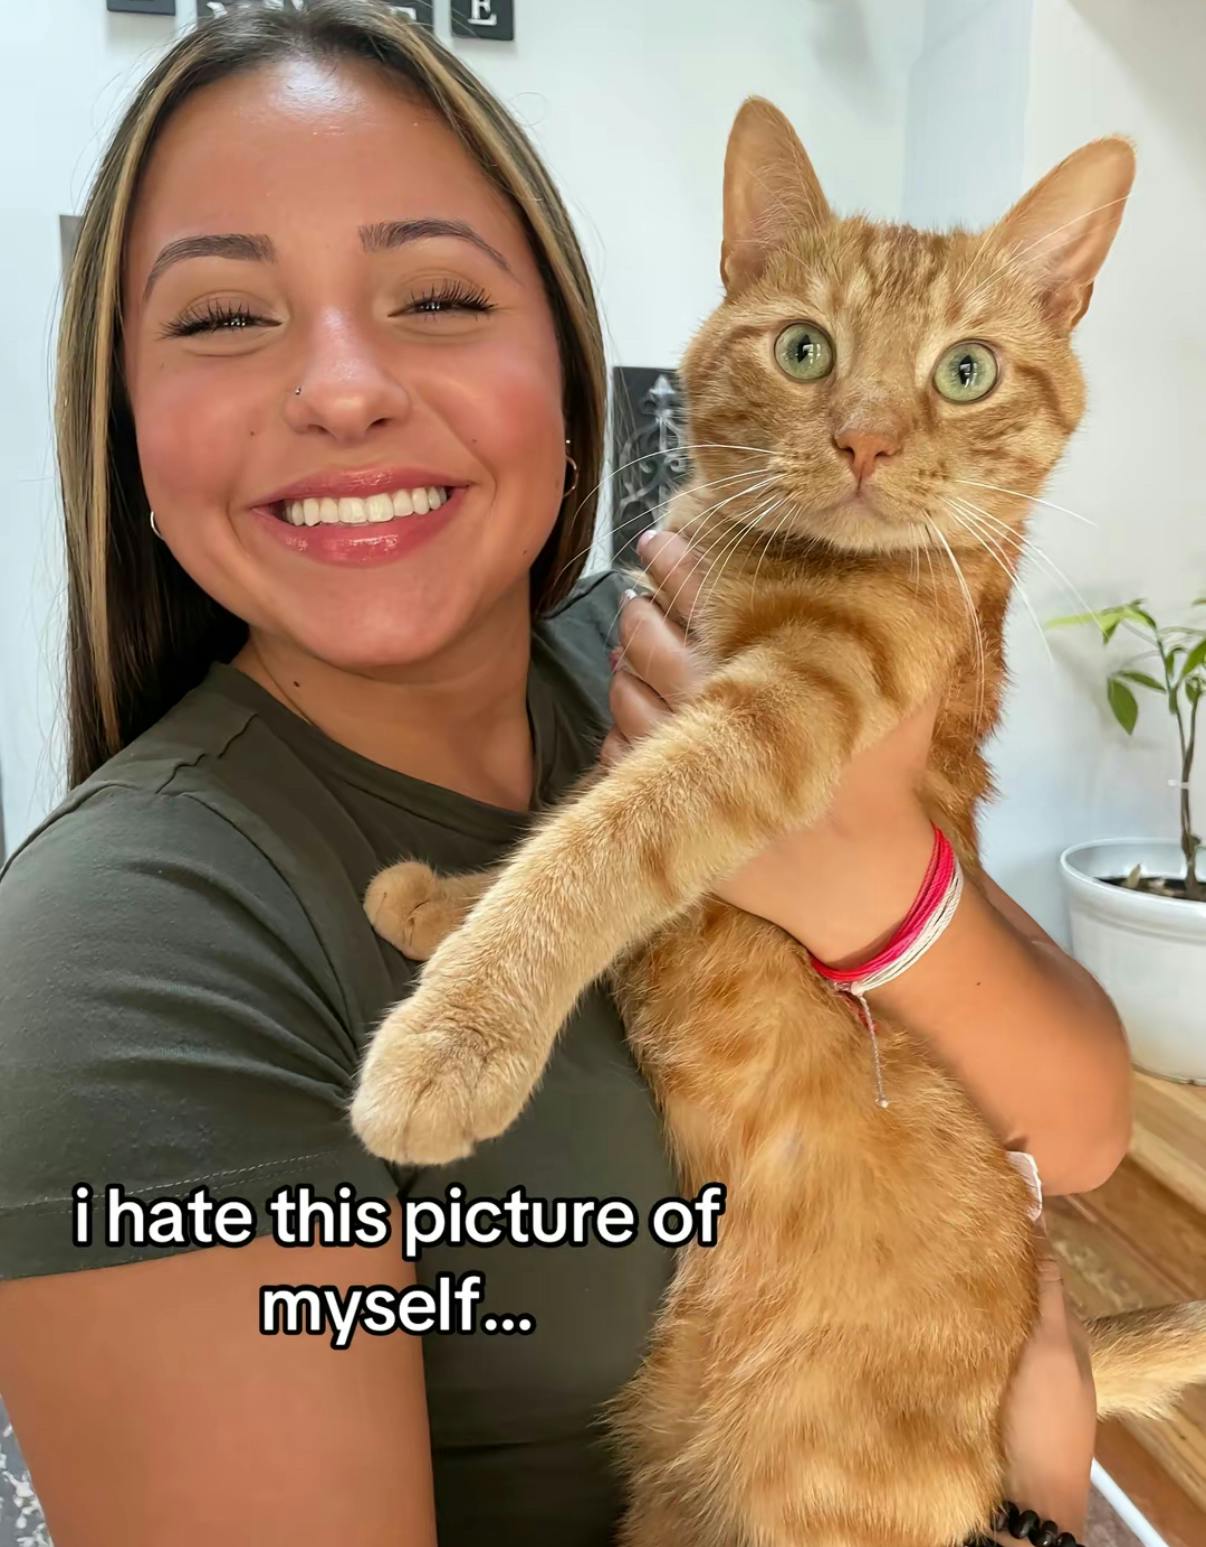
[1067,771]
[631,103]
[967,112]
[954,104]
[1002,90]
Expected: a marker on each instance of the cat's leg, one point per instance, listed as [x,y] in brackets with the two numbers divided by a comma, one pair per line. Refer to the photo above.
[758,751]
[413,908]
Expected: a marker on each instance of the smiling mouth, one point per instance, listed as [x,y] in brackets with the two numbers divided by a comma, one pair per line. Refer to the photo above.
[351,511]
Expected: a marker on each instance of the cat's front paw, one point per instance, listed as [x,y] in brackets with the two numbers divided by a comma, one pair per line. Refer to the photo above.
[433,1087]
[413,908]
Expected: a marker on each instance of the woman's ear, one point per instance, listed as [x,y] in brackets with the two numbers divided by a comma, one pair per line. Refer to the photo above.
[1063,228]
[770,192]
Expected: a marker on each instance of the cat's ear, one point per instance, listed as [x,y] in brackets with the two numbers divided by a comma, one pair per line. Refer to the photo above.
[1063,228]
[770,192]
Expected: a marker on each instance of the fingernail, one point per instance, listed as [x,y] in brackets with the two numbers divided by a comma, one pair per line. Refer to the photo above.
[629,596]
[614,658]
[642,542]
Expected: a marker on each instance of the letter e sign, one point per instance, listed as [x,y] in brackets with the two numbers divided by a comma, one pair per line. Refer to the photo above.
[492,20]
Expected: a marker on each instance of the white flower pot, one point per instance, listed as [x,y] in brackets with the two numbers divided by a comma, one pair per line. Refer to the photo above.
[1148,953]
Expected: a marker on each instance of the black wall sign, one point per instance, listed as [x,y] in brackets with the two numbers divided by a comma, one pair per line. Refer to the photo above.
[650,461]
[492,20]
[422,12]
[145,7]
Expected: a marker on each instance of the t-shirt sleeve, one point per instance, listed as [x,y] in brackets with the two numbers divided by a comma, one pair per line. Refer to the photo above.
[168,1020]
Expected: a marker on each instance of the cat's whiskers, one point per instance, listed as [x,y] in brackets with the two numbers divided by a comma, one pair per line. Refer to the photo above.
[716,567]
[768,538]
[699,445]
[964,518]
[712,544]
[973,615]
[929,559]
[720,539]
[1033,499]
[1031,548]
[655,510]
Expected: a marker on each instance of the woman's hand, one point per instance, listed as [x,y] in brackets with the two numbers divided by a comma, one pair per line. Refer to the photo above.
[812,882]
[1051,1410]
[1031,1035]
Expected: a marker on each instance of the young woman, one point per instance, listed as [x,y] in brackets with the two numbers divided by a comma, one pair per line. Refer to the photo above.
[328,322]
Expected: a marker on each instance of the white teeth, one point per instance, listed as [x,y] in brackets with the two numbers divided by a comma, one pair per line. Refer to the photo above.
[356,512]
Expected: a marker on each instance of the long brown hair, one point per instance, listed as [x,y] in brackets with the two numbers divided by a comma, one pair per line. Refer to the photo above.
[141,633]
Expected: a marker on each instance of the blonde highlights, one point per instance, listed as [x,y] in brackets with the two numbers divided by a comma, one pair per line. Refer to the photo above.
[140,632]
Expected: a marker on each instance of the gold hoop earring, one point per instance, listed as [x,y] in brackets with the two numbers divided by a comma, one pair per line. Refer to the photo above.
[573,483]
[154,528]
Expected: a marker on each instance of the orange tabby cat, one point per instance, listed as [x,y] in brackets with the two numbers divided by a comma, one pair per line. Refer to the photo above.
[832,1372]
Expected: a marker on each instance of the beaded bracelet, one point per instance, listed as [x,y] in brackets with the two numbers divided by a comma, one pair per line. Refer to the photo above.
[1025,1526]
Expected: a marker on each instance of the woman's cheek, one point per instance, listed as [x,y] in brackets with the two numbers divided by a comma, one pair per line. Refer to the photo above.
[517,410]
[195,430]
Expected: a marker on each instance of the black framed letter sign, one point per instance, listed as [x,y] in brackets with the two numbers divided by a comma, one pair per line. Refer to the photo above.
[493,20]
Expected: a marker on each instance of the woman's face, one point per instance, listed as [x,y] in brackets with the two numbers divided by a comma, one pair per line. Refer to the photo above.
[308,226]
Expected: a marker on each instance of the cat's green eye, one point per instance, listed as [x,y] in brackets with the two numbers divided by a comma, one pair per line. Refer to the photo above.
[966,372]
[804,351]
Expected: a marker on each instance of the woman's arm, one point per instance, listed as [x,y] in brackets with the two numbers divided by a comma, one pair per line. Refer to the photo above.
[1029,1032]
[152,1410]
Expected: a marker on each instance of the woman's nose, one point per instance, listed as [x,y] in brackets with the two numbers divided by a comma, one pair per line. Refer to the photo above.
[344,388]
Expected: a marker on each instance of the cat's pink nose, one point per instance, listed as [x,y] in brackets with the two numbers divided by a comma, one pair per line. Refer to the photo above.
[865,448]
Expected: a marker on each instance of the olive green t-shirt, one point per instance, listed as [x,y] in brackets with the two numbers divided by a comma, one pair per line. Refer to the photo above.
[187,982]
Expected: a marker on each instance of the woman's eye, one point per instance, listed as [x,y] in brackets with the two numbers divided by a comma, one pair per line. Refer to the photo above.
[214,317]
[450,298]
[804,351]
[966,373]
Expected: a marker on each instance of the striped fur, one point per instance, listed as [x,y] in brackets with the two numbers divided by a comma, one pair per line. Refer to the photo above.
[832,1372]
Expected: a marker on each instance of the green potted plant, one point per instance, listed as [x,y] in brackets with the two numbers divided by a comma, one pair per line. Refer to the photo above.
[1137,906]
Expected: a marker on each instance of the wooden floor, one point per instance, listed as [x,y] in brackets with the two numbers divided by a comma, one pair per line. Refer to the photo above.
[1141,1240]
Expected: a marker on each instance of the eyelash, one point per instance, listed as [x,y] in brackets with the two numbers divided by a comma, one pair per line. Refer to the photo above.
[215,317]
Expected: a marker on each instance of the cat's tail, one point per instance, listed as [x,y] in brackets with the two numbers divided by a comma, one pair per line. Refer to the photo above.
[1143,1360]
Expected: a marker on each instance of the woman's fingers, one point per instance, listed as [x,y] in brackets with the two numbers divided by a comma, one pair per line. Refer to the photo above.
[654,648]
[674,567]
[1057,1320]
[613,749]
[635,706]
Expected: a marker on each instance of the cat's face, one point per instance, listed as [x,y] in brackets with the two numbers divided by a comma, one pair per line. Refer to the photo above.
[882,388]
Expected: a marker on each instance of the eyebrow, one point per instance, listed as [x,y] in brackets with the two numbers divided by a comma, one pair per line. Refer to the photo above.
[380,237]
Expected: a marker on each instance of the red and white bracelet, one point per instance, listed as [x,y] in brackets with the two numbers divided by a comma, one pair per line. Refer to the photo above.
[933,909]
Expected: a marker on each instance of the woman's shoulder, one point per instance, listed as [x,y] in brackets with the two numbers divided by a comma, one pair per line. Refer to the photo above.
[169,1014]
[221,773]
[183,754]
[591,609]
[578,634]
